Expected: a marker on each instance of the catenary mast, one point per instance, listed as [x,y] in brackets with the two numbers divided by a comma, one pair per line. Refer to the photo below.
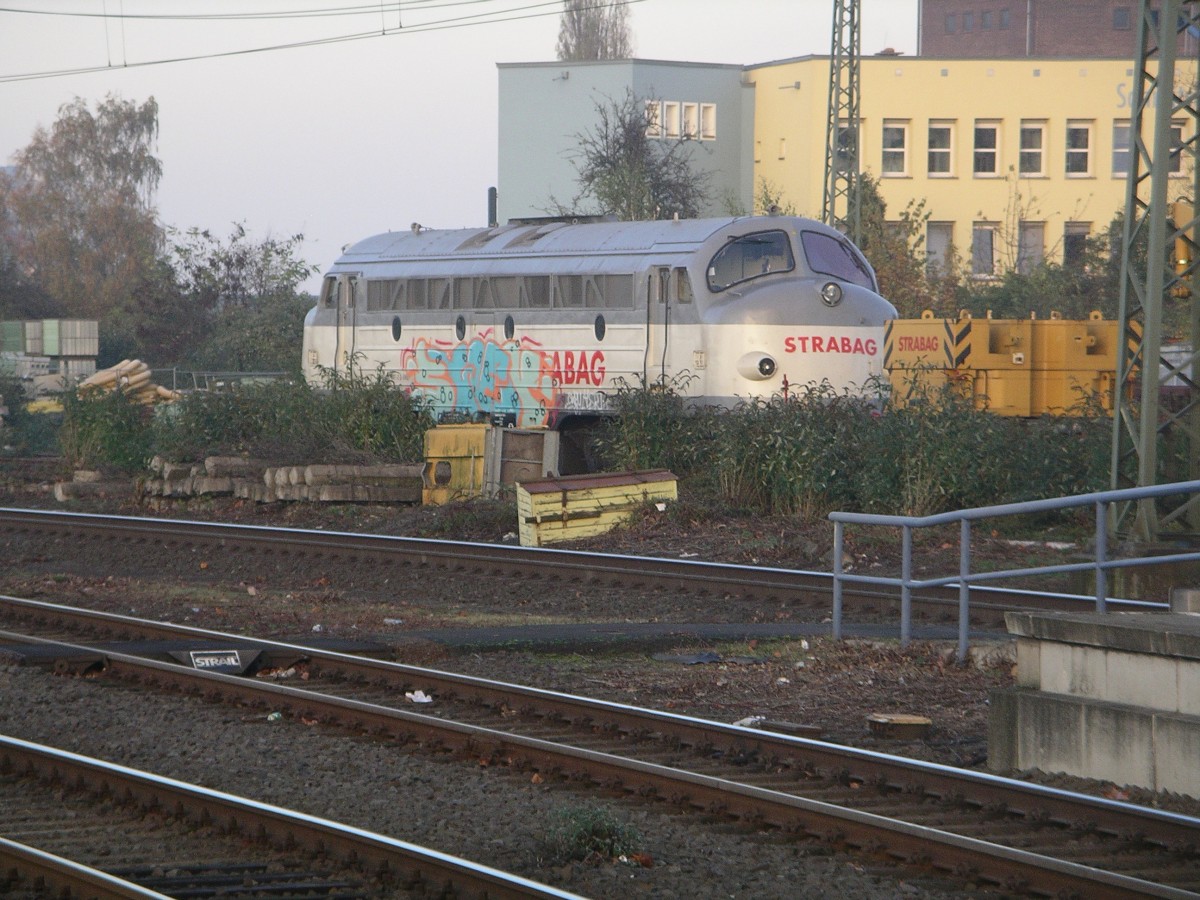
[840,204]
[1155,442]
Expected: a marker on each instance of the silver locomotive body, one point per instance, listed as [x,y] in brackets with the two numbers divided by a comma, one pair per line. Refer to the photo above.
[533,324]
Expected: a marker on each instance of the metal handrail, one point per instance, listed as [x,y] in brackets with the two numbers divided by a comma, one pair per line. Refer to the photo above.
[1100,565]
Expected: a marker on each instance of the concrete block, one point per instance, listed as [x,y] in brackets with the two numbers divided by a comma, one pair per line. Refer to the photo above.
[1119,744]
[1142,680]
[1002,729]
[1088,676]
[1057,661]
[1176,752]
[1188,687]
[1049,733]
[1029,663]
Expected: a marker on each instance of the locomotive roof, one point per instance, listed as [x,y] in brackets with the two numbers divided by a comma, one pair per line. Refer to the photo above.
[551,238]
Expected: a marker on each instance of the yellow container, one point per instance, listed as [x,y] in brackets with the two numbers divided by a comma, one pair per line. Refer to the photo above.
[551,510]
[1013,367]
[454,463]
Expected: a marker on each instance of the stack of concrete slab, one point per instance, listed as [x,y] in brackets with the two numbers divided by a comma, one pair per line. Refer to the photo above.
[1112,697]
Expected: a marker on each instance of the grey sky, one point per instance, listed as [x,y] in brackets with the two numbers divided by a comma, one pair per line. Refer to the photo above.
[357,137]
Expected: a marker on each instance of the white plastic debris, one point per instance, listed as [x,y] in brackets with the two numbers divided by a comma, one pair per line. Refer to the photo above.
[751,721]
[318,627]
[418,697]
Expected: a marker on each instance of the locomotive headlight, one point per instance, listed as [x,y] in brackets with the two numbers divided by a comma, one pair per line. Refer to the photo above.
[757,366]
[831,293]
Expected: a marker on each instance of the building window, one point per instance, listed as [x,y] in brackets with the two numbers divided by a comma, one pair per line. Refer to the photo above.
[1075,238]
[941,148]
[1032,161]
[895,148]
[983,250]
[968,22]
[1175,161]
[1079,149]
[653,119]
[670,120]
[708,121]
[985,20]
[1031,246]
[1005,19]
[939,240]
[1120,148]
[951,23]
[987,149]
[1122,18]
[691,121]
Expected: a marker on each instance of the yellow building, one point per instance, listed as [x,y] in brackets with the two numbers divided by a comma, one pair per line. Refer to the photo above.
[1017,160]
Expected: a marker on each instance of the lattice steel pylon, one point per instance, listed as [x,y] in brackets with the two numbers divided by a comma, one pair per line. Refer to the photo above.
[840,203]
[1156,439]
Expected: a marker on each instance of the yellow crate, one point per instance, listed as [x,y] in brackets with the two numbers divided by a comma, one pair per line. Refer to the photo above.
[1013,367]
[454,463]
[552,510]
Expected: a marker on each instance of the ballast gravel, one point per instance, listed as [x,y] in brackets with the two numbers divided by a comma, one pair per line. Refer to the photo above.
[487,815]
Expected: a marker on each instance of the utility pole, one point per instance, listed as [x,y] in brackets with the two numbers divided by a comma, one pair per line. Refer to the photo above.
[1156,442]
[840,204]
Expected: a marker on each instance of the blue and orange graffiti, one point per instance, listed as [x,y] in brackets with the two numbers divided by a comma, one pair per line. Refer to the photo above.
[486,377]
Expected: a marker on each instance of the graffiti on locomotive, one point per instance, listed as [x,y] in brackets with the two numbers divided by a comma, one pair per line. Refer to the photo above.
[534,322]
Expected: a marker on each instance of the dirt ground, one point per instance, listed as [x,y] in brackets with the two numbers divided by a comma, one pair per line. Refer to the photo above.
[810,681]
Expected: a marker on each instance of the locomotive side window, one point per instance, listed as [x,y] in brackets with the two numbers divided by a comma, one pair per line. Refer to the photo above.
[506,292]
[750,256]
[537,290]
[570,290]
[329,292]
[683,285]
[834,256]
[618,291]
[385,295]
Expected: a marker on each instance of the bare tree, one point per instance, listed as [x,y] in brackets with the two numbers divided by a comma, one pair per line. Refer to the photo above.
[629,172]
[592,29]
[81,217]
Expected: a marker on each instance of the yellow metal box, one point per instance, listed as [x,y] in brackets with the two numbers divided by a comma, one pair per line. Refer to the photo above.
[551,510]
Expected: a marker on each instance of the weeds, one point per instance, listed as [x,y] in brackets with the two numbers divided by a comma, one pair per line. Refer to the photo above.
[580,832]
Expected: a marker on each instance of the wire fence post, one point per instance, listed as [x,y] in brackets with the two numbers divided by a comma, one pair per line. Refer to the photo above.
[964,586]
[837,580]
[1101,557]
[906,589]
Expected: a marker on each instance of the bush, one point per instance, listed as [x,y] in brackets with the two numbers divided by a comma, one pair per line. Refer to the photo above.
[579,832]
[105,430]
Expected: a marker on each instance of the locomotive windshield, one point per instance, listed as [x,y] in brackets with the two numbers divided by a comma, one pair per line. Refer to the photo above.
[836,256]
[750,256]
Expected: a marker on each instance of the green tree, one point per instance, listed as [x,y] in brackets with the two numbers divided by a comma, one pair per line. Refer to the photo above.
[590,30]
[247,293]
[627,172]
[896,248]
[80,218]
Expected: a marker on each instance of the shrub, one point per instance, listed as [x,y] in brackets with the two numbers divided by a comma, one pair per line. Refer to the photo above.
[105,430]
[579,832]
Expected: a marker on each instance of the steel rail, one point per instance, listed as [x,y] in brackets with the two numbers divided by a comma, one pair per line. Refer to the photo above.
[354,846]
[983,789]
[913,844]
[682,574]
[64,877]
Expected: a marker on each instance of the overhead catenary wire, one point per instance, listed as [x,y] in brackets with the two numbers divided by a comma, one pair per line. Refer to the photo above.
[493,17]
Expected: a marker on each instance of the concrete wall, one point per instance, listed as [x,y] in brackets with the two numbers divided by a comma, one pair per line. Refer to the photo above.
[1115,698]
[544,107]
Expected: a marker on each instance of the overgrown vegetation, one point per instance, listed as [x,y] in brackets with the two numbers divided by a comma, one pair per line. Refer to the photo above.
[589,831]
[816,451]
[355,418]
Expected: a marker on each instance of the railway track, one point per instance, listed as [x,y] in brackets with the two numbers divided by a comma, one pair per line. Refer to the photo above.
[803,588]
[1007,834]
[82,827]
